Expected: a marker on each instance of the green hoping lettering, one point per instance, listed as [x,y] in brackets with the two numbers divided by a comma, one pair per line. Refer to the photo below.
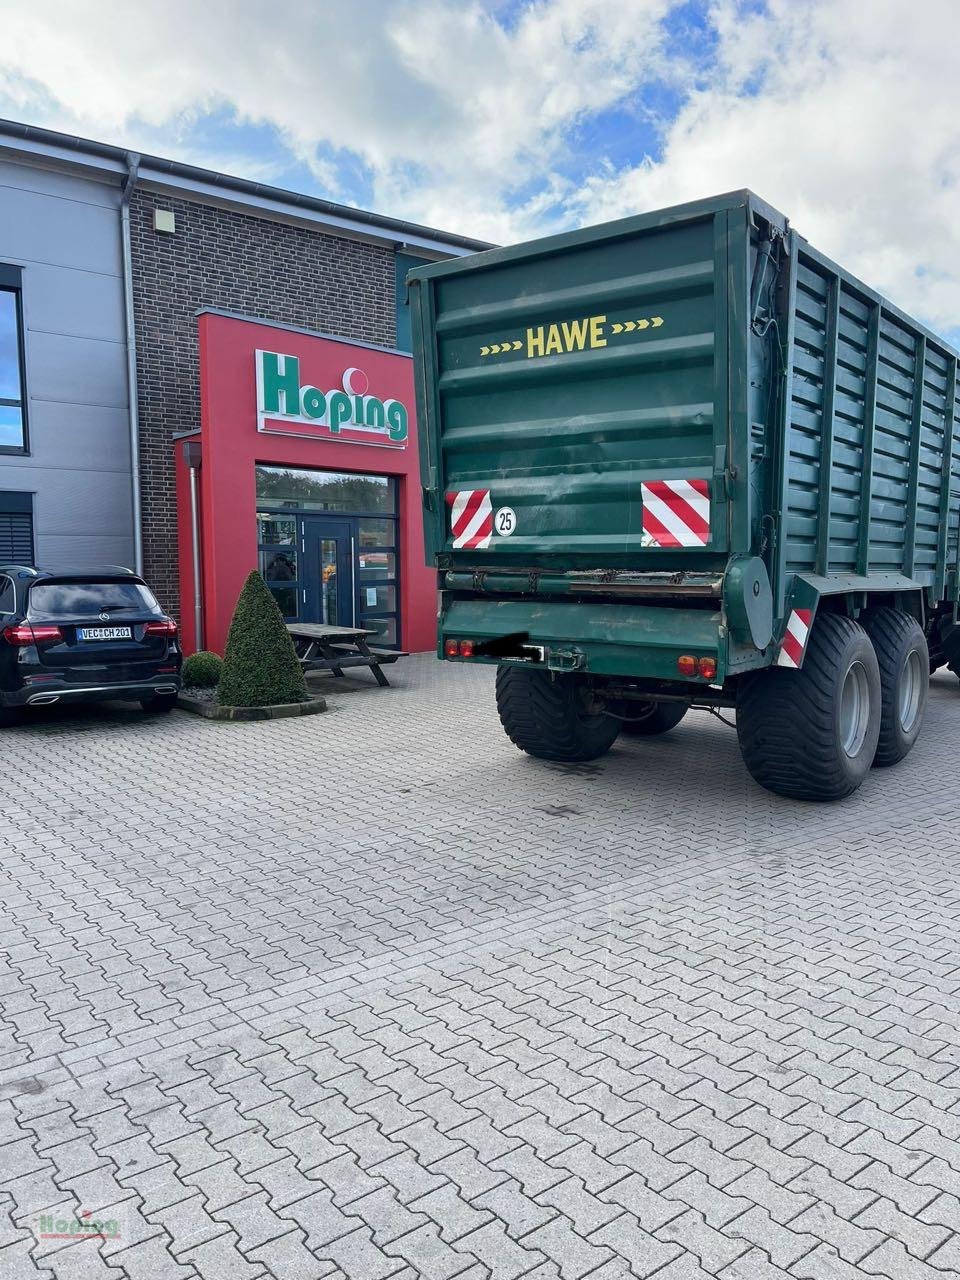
[278,381]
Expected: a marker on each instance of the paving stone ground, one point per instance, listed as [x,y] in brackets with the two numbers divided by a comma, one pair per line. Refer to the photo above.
[370,994]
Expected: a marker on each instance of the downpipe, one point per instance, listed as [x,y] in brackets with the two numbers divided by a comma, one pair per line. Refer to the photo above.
[133,417]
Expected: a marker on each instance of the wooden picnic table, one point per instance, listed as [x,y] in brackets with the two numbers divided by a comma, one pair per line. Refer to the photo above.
[326,648]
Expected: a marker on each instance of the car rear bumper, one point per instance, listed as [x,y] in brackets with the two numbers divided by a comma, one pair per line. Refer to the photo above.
[48,692]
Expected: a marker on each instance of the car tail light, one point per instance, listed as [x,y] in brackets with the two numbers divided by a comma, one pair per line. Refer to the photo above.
[451,648]
[466,648]
[21,633]
[165,627]
[687,665]
[707,667]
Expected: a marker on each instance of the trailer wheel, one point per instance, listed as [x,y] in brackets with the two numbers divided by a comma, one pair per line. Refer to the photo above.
[812,734]
[647,719]
[904,661]
[552,718]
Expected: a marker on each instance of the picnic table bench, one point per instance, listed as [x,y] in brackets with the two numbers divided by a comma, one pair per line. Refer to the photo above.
[326,648]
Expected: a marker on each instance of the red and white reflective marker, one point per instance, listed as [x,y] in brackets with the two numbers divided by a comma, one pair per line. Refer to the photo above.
[676,513]
[471,519]
[795,638]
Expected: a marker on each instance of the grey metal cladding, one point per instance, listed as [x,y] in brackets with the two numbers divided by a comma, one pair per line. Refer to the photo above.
[85,304]
[74,370]
[63,230]
[94,435]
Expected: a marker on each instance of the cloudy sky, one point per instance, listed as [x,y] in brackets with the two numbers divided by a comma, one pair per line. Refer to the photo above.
[513,118]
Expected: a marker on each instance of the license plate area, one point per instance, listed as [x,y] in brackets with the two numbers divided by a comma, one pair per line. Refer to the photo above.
[104,633]
[524,653]
[532,653]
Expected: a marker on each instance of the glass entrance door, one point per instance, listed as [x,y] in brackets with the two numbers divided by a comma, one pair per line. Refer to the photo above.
[329,588]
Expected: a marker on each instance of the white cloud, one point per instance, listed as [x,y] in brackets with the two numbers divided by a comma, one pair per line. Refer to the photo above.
[844,116]
[464,114]
[449,109]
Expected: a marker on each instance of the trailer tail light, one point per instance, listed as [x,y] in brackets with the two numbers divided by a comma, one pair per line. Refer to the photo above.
[22,633]
[165,627]
[459,648]
[687,665]
[707,668]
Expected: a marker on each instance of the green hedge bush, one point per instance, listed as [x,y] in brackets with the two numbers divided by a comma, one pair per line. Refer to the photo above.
[260,666]
[202,670]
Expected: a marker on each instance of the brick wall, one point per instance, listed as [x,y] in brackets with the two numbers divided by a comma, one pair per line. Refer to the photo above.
[264,269]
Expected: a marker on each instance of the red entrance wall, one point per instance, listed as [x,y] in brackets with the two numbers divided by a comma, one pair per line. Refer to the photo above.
[231,444]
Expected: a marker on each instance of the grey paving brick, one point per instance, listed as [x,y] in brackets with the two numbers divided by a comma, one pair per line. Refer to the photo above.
[220,1259]
[840,1163]
[755,1265]
[502,1256]
[718,1168]
[713,1249]
[574,1256]
[289,1257]
[472,1176]
[892,1260]
[824,1263]
[919,1238]
[852,1240]
[17,1263]
[717,1207]
[533,1174]
[408,1178]
[430,1256]
[452,1214]
[359,1258]
[783,1245]
[843,1197]
[651,1209]
[151,1258]
[385,1216]
[686,1267]
[82,1261]
[517,1211]
[658,1171]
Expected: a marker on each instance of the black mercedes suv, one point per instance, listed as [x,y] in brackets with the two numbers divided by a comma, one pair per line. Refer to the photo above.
[84,636]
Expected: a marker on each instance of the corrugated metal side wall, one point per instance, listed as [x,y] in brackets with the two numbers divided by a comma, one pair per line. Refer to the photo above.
[865,384]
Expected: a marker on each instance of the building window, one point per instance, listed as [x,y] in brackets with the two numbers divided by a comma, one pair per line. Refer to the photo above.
[279,562]
[325,490]
[13,414]
[16,528]
[405,262]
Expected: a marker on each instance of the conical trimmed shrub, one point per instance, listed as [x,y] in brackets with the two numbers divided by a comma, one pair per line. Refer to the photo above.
[260,666]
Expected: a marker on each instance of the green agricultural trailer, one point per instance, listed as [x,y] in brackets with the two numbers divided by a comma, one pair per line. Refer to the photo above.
[685,460]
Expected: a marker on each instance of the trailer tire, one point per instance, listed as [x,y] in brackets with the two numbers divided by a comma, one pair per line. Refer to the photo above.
[551,717]
[904,660]
[650,718]
[812,734]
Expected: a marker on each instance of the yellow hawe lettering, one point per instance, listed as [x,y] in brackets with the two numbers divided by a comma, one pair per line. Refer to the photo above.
[574,334]
[596,331]
[553,341]
[535,342]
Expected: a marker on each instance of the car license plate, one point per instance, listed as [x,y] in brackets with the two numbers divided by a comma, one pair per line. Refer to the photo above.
[104,633]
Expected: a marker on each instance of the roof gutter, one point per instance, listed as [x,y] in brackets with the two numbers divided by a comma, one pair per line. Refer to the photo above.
[133,416]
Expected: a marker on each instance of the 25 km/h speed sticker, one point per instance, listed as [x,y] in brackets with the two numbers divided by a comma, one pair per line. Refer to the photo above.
[504,522]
